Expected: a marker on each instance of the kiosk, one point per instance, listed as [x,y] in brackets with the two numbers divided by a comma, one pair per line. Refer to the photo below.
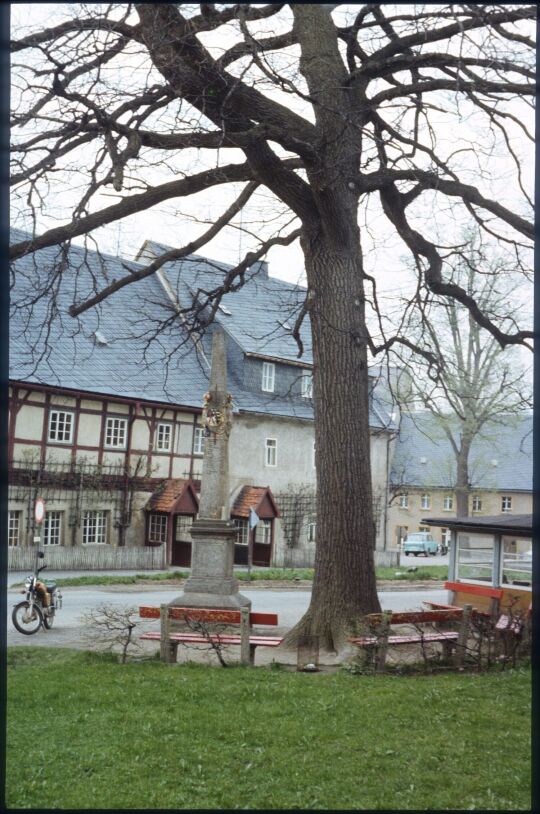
[490,561]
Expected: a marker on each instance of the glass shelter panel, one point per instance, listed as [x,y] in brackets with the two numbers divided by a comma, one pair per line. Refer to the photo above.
[517,562]
[475,554]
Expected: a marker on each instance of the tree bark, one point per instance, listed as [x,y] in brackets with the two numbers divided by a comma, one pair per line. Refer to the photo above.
[462,478]
[344,586]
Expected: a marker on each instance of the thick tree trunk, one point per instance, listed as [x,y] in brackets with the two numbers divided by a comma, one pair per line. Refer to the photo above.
[344,586]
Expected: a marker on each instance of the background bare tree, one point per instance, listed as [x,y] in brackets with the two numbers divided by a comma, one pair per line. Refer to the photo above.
[342,115]
[479,385]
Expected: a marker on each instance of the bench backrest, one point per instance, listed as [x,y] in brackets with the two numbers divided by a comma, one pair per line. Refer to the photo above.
[417,617]
[210,615]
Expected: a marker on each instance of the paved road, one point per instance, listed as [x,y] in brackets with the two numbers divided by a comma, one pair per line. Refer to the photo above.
[289,604]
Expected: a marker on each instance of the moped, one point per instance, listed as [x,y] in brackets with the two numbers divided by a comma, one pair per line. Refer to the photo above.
[41,603]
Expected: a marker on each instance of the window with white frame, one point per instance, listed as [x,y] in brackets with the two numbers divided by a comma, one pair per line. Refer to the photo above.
[448,503]
[263,532]
[475,557]
[307,384]
[268,376]
[157,531]
[425,501]
[116,433]
[184,523]
[270,452]
[517,562]
[52,528]
[311,532]
[506,503]
[95,528]
[476,503]
[404,501]
[242,531]
[163,437]
[198,441]
[14,528]
[61,426]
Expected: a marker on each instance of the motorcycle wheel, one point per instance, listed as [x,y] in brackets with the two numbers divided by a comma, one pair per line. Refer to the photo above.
[48,618]
[21,620]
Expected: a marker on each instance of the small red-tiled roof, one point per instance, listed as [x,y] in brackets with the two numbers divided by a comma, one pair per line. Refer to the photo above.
[167,494]
[251,497]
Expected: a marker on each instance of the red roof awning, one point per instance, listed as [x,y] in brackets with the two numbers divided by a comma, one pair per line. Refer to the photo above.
[258,498]
[174,495]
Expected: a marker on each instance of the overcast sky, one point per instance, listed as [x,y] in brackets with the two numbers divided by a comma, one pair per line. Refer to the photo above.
[173,223]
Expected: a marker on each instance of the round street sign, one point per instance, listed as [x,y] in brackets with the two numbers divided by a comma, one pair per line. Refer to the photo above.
[39,510]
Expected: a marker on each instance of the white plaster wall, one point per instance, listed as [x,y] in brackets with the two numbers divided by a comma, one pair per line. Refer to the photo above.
[181,468]
[62,401]
[89,404]
[88,456]
[59,454]
[140,434]
[30,422]
[21,451]
[113,407]
[135,533]
[89,430]
[111,458]
[184,436]
[160,466]
[294,452]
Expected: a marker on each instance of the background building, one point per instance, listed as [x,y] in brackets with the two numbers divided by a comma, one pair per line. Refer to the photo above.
[423,473]
[105,413]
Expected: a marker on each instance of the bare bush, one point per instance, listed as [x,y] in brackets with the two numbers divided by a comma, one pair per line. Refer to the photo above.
[111,628]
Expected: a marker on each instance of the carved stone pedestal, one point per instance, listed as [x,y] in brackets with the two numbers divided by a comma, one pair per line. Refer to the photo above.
[212,583]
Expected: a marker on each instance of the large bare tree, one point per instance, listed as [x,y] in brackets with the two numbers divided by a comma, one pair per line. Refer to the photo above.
[342,114]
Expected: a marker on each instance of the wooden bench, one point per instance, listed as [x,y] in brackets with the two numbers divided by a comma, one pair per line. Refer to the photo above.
[509,631]
[379,637]
[198,621]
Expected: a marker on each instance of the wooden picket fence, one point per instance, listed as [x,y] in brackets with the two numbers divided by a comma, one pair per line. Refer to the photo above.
[89,558]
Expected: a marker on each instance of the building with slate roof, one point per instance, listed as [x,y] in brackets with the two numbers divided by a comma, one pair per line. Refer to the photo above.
[423,473]
[105,410]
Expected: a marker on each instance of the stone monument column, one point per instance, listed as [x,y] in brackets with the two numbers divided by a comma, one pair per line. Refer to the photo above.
[212,584]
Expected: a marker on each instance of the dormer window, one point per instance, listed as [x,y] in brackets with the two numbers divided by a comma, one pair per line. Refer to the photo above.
[307,384]
[268,377]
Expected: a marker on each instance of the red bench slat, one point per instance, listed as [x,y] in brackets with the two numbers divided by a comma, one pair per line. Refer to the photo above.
[419,617]
[197,638]
[210,615]
[427,637]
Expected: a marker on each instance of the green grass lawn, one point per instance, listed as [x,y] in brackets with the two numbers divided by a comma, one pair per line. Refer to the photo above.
[426,572]
[87,732]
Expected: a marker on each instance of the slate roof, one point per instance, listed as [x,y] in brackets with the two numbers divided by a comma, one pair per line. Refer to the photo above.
[500,458]
[259,311]
[131,362]
[68,354]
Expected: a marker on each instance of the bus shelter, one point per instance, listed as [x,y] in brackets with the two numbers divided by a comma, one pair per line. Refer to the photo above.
[490,561]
